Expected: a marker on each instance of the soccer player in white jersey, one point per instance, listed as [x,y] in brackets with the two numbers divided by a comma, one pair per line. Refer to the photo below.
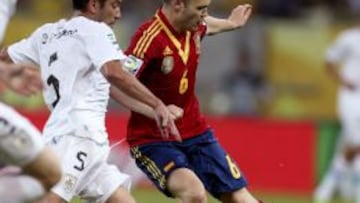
[79,58]
[343,64]
[20,142]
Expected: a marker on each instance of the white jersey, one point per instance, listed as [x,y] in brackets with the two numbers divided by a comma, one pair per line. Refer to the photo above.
[346,51]
[7,9]
[70,55]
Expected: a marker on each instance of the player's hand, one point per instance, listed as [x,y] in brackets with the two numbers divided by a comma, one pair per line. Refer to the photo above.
[240,15]
[175,111]
[24,79]
[165,123]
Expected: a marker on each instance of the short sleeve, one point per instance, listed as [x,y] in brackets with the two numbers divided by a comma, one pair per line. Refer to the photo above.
[102,47]
[26,50]
[138,59]
[339,50]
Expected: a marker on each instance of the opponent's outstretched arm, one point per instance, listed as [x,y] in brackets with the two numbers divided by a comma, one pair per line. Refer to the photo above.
[128,84]
[24,79]
[237,19]
[139,107]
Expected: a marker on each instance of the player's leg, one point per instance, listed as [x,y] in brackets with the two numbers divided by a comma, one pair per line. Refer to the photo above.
[217,170]
[79,158]
[21,145]
[86,173]
[238,196]
[186,186]
[120,156]
[356,168]
[110,186]
[337,172]
[20,188]
[330,183]
[353,143]
[44,172]
[45,167]
[121,195]
[167,167]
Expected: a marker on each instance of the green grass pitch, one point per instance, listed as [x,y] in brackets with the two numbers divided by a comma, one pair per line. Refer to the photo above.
[153,196]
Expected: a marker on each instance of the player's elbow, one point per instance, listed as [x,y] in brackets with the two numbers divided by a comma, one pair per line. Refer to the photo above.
[4,56]
[117,78]
[113,71]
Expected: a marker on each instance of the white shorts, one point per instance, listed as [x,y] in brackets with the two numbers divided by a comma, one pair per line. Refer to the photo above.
[86,172]
[20,141]
[349,112]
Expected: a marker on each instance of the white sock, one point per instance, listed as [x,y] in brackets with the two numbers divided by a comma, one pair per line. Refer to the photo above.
[15,189]
[331,181]
[346,185]
[356,170]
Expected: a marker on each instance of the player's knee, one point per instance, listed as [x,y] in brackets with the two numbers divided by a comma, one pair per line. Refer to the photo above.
[52,178]
[193,195]
[46,168]
[52,174]
[185,185]
[197,196]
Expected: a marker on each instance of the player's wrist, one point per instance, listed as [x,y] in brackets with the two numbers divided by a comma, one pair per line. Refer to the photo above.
[158,104]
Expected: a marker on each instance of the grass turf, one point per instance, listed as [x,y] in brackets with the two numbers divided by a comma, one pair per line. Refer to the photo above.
[153,196]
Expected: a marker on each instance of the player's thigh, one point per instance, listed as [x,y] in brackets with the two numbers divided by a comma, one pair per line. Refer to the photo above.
[214,166]
[81,161]
[45,167]
[351,128]
[20,141]
[183,183]
[158,161]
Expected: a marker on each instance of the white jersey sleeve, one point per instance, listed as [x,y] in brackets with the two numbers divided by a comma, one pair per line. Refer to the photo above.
[102,46]
[337,52]
[345,52]
[26,50]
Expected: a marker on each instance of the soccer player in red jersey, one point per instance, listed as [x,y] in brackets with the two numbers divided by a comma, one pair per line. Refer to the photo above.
[164,55]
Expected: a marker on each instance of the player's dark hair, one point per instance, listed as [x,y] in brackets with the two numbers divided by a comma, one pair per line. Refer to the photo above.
[81,4]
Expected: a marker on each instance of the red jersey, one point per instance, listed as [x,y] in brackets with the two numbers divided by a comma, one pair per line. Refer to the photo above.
[168,69]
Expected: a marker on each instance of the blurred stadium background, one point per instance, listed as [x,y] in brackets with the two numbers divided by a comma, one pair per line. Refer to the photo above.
[263,88]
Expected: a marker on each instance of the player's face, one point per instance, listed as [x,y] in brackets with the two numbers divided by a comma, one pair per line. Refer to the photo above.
[110,12]
[194,13]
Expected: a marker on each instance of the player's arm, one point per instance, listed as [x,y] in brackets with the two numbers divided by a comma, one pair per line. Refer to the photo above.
[335,55]
[127,83]
[237,19]
[23,79]
[139,107]
[21,75]
[332,69]
[4,55]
